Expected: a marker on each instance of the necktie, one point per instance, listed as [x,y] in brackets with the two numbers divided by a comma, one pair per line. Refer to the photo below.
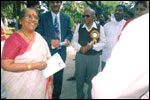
[56,25]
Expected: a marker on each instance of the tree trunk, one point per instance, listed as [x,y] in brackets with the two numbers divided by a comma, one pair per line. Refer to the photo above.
[18,6]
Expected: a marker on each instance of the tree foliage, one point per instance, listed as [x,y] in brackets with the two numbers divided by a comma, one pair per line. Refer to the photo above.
[108,7]
[130,5]
[74,9]
[6,8]
[103,7]
[11,8]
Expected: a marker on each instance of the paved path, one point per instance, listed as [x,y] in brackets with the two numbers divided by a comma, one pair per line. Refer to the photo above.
[69,87]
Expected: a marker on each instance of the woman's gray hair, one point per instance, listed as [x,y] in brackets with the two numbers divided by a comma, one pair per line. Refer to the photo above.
[22,13]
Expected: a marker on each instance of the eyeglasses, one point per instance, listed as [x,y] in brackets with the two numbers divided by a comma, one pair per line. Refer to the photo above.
[32,16]
[86,16]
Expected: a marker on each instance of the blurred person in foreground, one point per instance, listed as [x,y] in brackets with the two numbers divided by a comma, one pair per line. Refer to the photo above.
[126,76]
[24,57]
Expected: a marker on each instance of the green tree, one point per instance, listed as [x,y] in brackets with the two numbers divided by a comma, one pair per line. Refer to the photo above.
[109,6]
[7,8]
[130,5]
[74,10]
[11,8]
[45,4]
[103,7]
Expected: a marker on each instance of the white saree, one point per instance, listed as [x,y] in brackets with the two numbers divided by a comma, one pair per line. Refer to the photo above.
[28,84]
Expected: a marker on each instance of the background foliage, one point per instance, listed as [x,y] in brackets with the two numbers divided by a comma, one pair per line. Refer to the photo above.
[73,9]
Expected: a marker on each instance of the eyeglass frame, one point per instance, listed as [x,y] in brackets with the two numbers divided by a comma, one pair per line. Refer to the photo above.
[88,16]
[30,17]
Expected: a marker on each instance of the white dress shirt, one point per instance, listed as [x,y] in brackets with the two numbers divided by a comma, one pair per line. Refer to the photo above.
[126,74]
[97,47]
[112,30]
[58,18]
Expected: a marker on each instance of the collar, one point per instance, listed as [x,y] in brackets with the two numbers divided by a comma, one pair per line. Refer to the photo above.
[53,14]
[93,26]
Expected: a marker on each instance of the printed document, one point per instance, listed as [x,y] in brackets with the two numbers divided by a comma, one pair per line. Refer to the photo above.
[54,64]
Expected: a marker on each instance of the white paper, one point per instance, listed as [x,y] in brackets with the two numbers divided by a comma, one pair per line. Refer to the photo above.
[54,64]
[92,42]
[63,43]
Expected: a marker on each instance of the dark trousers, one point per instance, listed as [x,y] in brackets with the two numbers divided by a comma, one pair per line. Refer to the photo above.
[86,67]
[103,65]
[57,83]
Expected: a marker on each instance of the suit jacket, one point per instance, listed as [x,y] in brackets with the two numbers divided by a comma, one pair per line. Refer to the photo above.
[46,29]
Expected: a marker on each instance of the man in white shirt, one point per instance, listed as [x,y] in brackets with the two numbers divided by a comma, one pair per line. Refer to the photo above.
[112,30]
[126,75]
[88,55]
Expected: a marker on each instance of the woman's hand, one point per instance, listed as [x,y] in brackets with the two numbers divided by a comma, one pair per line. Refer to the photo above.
[9,65]
[40,65]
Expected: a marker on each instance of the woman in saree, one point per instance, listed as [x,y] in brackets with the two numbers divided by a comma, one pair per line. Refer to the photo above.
[24,57]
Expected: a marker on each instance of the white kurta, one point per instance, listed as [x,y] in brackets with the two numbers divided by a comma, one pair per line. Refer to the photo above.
[111,30]
[126,74]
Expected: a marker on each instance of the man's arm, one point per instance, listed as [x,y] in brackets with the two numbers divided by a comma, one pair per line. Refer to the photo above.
[101,44]
[75,43]
[69,31]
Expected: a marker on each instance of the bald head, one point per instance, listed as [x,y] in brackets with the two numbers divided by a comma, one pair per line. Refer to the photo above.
[90,11]
[89,16]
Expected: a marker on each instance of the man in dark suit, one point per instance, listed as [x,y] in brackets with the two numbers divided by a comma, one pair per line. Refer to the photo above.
[55,27]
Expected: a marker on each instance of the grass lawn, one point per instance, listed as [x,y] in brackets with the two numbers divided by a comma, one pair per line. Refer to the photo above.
[9,31]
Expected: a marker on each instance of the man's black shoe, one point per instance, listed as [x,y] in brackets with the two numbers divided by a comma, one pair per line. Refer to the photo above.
[71,78]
